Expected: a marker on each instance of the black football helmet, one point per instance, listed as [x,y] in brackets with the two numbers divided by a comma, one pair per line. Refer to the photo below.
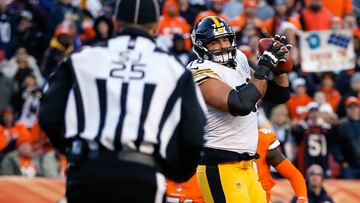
[208,29]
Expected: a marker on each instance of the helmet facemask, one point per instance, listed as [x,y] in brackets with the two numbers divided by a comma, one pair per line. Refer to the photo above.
[224,55]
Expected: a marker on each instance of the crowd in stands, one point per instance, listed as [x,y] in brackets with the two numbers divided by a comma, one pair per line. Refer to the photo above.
[320,124]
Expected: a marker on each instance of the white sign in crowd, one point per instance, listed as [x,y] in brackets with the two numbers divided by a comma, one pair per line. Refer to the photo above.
[331,50]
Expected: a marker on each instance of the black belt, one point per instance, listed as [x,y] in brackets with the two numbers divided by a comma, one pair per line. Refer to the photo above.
[132,156]
[91,150]
[216,156]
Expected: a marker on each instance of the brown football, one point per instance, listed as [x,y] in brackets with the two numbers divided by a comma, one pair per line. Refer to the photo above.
[282,67]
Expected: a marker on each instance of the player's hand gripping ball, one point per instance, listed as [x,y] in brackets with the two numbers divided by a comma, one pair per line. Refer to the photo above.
[282,67]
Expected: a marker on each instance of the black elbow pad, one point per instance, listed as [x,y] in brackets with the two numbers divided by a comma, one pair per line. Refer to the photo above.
[241,102]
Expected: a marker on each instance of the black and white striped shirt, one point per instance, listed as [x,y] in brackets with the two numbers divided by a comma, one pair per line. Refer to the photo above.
[125,94]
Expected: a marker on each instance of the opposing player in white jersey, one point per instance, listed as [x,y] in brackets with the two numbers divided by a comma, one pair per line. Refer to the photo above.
[231,90]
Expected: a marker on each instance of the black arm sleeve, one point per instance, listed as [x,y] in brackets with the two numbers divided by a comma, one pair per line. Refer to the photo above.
[276,93]
[241,102]
[53,104]
[185,146]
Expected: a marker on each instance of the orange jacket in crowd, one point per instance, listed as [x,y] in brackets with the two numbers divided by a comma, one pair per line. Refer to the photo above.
[267,141]
[39,139]
[337,8]
[269,24]
[204,14]
[297,106]
[239,22]
[18,131]
[333,97]
[170,25]
[179,192]
[316,20]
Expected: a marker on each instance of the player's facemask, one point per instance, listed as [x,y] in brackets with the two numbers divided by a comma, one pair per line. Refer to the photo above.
[223,55]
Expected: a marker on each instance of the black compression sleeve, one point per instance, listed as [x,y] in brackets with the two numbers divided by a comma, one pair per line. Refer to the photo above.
[241,102]
[276,93]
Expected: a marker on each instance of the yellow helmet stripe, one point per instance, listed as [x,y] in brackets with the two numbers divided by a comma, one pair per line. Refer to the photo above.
[217,23]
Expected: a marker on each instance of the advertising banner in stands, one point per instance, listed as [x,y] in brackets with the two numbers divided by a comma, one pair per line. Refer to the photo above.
[331,50]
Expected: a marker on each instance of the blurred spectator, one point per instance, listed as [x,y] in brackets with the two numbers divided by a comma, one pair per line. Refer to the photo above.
[7,21]
[326,111]
[316,190]
[353,91]
[250,54]
[36,9]
[21,162]
[63,10]
[10,130]
[87,33]
[187,11]
[27,37]
[3,60]
[93,6]
[200,5]
[280,121]
[47,4]
[233,8]
[7,89]
[356,6]
[249,16]
[350,22]
[293,7]
[315,17]
[312,135]
[250,35]
[108,8]
[356,34]
[333,96]
[349,131]
[53,164]
[275,25]
[178,50]
[336,23]
[103,28]
[61,46]
[264,11]
[343,81]
[337,8]
[299,100]
[22,64]
[170,23]
[26,101]
[320,98]
[40,143]
[216,9]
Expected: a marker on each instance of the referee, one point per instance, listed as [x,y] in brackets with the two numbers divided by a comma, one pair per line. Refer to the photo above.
[125,113]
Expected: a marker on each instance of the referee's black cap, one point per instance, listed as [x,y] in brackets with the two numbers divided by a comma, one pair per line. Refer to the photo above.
[137,11]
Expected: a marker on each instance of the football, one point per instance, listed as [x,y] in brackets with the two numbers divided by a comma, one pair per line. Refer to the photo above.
[283,67]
